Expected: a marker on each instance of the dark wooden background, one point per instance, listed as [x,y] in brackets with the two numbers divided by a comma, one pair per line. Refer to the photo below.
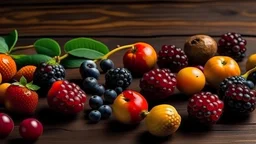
[123,22]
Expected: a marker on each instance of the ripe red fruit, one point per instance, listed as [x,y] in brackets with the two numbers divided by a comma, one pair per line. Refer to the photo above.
[205,107]
[6,125]
[66,97]
[21,97]
[158,84]
[30,129]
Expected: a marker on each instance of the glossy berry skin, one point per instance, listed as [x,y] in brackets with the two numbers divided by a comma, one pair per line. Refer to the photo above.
[239,99]
[110,95]
[89,69]
[249,83]
[21,100]
[106,65]
[158,84]
[228,81]
[94,116]
[46,74]
[205,107]
[30,129]
[118,77]
[172,57]
[105,111]
[128,106]
[200,67]
[95,102]
[140,59]
[89,83]
[98,89]
[233,45]
[6,125]
[66,97]
[118,90]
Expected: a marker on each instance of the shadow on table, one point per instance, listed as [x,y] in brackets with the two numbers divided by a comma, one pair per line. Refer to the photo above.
[146,138]
[115,127]
[20,141]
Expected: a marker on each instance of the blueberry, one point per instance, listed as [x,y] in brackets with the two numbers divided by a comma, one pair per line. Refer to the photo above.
[98,89]
[110,95]
[94,116]
[106,65]
[119,90]
[89,69]
[89,83]
[95,102]
[105,111]
[249,83]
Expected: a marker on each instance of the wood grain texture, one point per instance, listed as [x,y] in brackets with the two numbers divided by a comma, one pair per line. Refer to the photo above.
[68,130]
[136,19]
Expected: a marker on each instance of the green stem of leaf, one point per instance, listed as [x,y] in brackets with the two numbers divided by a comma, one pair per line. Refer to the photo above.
[22,48]
[114,51]
[59,58]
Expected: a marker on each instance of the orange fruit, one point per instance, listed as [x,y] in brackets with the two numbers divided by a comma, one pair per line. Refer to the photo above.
[1,78]
[190,80]
[3,88]
[251,62]
[7,67]
[27,72]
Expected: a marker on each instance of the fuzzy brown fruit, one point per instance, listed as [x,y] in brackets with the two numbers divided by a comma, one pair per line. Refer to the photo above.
[199,49]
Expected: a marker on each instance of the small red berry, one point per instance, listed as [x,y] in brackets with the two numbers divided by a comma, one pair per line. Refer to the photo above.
[6,125]
[31,129]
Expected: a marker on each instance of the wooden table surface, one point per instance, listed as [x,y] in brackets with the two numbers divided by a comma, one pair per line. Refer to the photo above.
[156,22]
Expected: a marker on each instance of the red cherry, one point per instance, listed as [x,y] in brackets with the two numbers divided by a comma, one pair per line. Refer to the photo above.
[200,67]
[6,125]
[30,129]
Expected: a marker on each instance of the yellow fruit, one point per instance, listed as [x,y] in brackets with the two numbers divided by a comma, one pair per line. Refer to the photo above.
[190,80]
[162,120]
[3,88]
[251,62]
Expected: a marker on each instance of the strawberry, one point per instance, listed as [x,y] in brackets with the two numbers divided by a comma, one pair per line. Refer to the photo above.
[21,97]
[66,97]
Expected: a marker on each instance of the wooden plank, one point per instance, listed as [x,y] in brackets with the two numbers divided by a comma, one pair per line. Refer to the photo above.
[59,129]
[130,20]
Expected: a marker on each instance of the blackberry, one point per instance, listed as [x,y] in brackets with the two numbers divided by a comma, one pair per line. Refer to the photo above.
[239,99]
[172,57]
[228,81]
[158,84]
[205,107]
[46,74]
[233,45]
[118,77]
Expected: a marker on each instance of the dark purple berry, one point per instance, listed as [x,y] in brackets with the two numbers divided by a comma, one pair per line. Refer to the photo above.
[105,111]
[106,65]
[118,77]
[94,116]
[110,95]
[89,69]
[95,102]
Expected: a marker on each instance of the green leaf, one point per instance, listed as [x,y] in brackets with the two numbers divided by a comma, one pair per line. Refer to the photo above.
[72,62]
[48,47]
[86,53]
[11,39]
[86,43]
[33,87]
[35,59]
[23,81]
[3,45]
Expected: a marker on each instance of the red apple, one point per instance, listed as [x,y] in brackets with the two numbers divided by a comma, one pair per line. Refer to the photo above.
[128,107]
[6,125]
[140,59]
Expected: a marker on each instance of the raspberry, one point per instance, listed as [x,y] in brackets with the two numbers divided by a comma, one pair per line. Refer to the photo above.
[239,99]
[172,57]
[233,45]
[46,74]
[118,77]
[158,83]
[66,97]
[205,107]
[228,81]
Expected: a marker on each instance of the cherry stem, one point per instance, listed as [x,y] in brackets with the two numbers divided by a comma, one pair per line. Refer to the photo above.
[114,51]
[249,72]
[144,114]
[22,47]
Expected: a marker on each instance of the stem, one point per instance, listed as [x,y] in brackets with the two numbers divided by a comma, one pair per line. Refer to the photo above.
[115,50]
[144,114]
[59,58]
[22,47]
[249,72]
